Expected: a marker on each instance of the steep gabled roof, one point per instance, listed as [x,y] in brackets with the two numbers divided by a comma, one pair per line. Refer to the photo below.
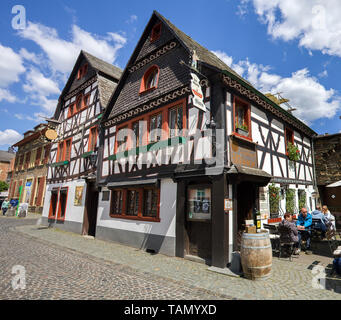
[105,69]
[205,57]
[103,66]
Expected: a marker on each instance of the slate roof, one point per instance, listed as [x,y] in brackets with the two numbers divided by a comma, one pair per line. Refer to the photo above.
[6,156]
[203,54]
[103,66]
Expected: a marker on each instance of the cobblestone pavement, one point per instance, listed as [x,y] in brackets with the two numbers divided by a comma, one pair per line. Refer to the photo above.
[54,272]
[289,280]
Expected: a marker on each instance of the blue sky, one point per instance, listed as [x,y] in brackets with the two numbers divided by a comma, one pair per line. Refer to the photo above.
[279,46]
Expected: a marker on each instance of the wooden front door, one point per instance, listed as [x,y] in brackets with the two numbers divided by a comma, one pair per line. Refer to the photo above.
[90,210]
[246,198]
[198,222]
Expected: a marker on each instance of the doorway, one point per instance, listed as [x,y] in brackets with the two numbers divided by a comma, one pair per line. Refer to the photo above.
[90,210]
[198,222]
[246,199]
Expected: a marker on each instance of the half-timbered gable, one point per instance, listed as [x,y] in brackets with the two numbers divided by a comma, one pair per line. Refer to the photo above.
[223,154]
[73,157]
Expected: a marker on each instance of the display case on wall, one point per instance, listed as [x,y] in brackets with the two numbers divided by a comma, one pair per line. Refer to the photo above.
[198,203]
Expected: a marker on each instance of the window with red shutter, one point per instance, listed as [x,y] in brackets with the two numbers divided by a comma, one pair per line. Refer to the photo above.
[92,139]
[38,156]
[40,191]
[27,159]
[33,192]
[68,144]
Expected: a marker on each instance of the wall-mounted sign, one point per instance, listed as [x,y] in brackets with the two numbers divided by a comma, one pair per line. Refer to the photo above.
[51,134]
[243,153]
[198,96]
[228,204]
[78,195]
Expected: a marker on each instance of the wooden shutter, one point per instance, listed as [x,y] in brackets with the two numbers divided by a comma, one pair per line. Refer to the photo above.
[38,156]
[33,192]
[68,144]
[40,190]
[27,159]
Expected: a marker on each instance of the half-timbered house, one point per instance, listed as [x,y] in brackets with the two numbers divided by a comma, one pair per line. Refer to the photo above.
[71,193]
[30,169]
[181,177]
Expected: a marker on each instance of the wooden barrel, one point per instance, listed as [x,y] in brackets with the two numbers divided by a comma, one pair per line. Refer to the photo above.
[256,255]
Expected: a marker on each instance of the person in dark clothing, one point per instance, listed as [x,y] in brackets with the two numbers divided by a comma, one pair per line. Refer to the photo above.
[288,231]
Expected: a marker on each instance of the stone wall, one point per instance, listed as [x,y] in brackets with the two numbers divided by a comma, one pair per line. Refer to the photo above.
[328,159]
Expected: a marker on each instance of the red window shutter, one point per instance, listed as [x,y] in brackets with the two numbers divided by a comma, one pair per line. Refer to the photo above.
[38,156]
[27,159]
[32,191]
[41,187]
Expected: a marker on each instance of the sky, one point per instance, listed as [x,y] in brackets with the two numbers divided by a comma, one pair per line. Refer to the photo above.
[287,46]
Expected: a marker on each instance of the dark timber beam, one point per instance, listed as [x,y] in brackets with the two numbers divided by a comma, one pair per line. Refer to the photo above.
[180,219]
[220,223]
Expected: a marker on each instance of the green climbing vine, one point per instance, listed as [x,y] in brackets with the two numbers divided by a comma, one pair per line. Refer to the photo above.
[302,199]
[274,198]
[290,200]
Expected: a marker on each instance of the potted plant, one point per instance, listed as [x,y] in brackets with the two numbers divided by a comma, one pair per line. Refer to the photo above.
[242,129]
[293,152]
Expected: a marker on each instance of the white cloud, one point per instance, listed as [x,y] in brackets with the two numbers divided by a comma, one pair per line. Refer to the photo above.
[30,56]
[5,95]
[37,116]
[62,54]
[11,66]
[37,82]
[9,137]
[315,23]
[312,100]
[132,18]
[323,74]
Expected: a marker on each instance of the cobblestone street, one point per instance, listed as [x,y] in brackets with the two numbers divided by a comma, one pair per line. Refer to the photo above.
[53,272]
[63,265]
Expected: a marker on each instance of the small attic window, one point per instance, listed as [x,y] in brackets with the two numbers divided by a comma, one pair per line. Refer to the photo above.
[150,79]
[82,71]
[156,32]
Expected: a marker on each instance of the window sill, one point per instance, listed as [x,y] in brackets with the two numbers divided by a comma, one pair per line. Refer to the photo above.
[148,219]
[239,136]
[147,90]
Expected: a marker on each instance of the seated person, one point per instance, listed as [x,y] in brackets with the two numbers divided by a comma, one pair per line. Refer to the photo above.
[329,216]
[322,225]
[14,202]
[303,223]
[288,231]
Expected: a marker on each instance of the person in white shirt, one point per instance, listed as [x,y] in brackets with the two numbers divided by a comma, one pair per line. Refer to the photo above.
[329,216]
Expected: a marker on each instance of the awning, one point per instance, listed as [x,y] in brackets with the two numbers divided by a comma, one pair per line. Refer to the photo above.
[334,184]
[242,173]
[120,184]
